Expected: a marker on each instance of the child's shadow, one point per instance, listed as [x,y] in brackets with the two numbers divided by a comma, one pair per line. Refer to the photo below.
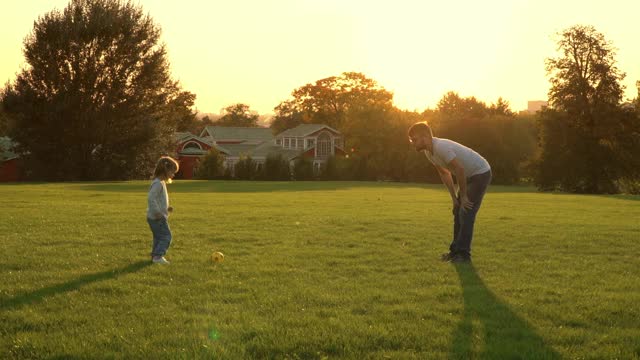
[38,295]
[490,329]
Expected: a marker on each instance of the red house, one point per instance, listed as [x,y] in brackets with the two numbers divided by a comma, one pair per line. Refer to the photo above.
[9,161]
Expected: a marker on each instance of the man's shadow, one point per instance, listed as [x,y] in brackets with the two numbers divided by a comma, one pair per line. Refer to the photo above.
[489,329]
[38,295]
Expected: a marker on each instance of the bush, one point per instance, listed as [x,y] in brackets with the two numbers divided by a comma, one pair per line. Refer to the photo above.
[629,186]
[246,169]
[211,166]
[303,170]
[329,171]
[276,168]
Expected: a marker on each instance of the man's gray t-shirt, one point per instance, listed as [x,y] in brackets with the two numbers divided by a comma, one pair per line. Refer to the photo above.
[445,150]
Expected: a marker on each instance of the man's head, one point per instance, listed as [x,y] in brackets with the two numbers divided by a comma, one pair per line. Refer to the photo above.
[420,136]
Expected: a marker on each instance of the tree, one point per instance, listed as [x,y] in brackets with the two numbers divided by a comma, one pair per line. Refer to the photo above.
[581,135]
[494,131]
[287,117]
[329,100]
[96,100]
[238,115]
[185,117]
[5,123]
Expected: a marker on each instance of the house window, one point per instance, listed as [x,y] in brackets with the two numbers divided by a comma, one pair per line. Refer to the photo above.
[286,142]
[279,142]
[191,145]
[300,143]
[310,143]
[324,145]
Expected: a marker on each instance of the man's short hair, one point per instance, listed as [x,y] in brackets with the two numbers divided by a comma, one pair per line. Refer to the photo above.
[420,128]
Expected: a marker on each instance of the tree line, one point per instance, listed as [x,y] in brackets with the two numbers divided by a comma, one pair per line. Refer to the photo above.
[97,102]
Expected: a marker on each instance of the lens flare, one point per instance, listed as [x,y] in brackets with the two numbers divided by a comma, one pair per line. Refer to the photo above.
[214,334]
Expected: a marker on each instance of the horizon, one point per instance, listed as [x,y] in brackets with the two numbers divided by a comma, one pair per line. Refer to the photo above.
[256,53]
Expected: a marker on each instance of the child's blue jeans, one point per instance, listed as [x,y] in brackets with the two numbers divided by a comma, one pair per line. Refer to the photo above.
[161,236]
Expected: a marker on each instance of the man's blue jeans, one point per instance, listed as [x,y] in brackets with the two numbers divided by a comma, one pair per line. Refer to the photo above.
[161,236]
[463,219]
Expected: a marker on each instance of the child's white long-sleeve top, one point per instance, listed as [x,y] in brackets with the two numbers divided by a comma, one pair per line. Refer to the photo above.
[158,200]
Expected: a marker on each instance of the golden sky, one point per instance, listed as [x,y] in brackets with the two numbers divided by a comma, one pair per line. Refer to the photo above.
[258,51]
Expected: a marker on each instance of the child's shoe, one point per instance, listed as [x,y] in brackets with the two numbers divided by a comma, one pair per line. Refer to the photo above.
[160,260]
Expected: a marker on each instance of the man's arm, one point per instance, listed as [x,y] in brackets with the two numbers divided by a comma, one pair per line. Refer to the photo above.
[462,183]
[447,180]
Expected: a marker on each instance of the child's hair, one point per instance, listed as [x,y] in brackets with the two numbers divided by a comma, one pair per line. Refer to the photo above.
[164,165]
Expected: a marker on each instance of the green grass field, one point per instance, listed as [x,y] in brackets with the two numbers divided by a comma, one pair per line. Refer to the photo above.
[316,270]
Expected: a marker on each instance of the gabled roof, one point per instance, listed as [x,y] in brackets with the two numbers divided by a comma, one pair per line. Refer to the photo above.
[178,135]
[237,149]
[188,136]
[183,138]
[237,133]
[268,148]
[305,129]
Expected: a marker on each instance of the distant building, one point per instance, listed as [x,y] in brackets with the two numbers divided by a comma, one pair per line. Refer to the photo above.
[536,105]
[9,161]
[315,142]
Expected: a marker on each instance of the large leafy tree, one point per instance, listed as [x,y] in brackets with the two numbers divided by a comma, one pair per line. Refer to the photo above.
[583,135]
[96,100]
[238,115]
[329,100]
[287,116]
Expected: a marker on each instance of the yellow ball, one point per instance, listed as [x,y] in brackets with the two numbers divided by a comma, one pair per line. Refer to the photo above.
[217,257]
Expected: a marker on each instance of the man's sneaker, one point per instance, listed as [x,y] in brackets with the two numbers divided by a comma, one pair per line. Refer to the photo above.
[160,260]
[461,258]
[447,256]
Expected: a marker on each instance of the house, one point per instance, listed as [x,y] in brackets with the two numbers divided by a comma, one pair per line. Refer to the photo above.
[315,142]
[9,161]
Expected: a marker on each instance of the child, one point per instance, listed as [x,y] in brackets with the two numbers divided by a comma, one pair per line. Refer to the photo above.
[158,208]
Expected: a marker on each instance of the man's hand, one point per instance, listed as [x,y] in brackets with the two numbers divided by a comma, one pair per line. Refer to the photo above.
[455,202]
[465,203]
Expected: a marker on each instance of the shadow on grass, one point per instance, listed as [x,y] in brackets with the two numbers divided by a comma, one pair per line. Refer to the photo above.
[490,329]
[38,295]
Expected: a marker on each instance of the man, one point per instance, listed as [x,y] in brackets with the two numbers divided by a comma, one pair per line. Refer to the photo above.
[473,174]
